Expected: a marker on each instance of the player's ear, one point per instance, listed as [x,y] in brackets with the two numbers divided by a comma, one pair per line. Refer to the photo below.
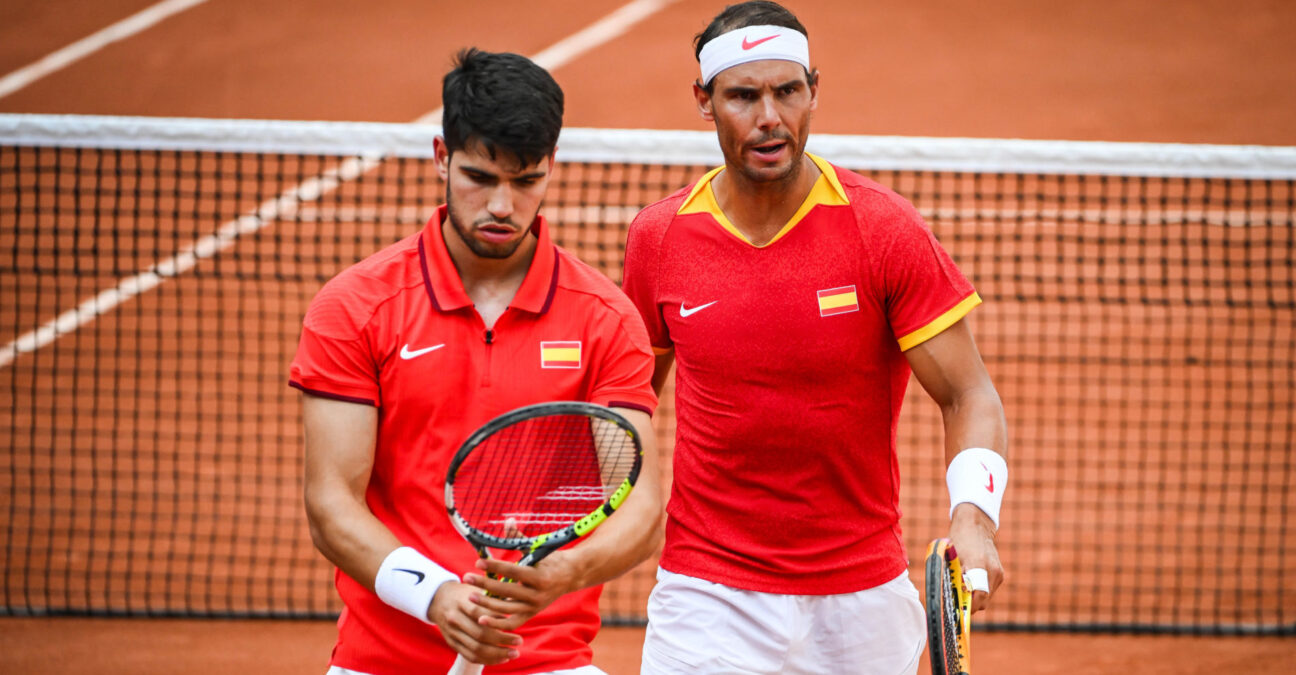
[441,152]
[703,98]
[813,78]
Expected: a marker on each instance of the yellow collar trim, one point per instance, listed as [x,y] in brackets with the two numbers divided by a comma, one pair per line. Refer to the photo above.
[827,191]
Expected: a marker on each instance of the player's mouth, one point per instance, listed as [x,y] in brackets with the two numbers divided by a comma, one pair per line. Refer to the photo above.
[769,151]
[496,232]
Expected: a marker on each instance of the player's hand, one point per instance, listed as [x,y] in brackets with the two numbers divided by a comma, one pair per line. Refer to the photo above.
[973,535]
[462,625]
[527,591]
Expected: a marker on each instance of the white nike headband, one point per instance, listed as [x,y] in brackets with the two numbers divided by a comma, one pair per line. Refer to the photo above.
[753,43]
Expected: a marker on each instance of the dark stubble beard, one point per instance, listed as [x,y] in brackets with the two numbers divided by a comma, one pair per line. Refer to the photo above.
[789,175]
[479,248]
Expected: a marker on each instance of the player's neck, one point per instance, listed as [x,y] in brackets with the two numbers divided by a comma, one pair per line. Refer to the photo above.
[491,283]
[760,209]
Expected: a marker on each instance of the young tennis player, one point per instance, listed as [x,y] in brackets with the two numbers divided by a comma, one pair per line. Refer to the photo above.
[410,350]
[794,299]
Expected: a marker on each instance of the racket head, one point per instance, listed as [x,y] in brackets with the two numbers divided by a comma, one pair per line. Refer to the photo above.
[949,605]
[539,477]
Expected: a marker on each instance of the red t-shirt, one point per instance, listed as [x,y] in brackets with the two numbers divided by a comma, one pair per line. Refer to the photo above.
[790,375]
[398,331]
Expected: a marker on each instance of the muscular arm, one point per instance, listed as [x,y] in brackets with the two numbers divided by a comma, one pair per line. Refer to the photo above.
[339,456]
[340,440]
[949,368]
[628,538]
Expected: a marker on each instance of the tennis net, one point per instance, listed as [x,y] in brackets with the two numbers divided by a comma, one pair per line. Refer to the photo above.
[1139,315]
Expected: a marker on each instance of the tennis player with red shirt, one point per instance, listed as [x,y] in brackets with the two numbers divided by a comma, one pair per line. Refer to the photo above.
[795,298]
[406,353]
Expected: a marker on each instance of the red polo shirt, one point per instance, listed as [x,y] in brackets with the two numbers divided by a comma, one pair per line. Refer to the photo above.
[790,373]
[398,331]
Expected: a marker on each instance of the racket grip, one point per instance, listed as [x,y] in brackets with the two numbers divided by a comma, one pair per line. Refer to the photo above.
[463,666]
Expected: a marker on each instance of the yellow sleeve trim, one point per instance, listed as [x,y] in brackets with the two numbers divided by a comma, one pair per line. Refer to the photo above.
[941,322]
[658,351]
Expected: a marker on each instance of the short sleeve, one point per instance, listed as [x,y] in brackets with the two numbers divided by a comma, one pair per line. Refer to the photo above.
[925,291]
[333,357]
[639,279]
[624,377]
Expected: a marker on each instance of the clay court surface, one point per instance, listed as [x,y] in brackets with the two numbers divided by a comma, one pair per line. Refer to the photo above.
[1196,72]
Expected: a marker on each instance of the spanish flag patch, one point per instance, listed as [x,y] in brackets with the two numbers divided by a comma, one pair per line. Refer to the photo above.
[560,354]
[841,300]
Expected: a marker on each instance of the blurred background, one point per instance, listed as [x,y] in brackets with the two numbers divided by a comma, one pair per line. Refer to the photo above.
[1139,285]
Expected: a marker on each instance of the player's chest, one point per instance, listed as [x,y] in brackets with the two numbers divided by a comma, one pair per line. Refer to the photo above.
[443,363]
[807,292]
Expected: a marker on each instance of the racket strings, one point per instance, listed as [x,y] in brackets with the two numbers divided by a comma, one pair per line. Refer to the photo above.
[951,627]
[542,474]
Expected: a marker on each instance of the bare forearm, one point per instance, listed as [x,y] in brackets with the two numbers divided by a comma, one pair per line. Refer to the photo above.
[339,456]
[632,533]
[349,536]
[628,538]
[975,419]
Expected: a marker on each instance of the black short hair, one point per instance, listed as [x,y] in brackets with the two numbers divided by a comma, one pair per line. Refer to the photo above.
[743,14]
[503,101]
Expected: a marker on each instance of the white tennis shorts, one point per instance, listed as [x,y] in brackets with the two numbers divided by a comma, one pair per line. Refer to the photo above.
[583,670]
[705,628]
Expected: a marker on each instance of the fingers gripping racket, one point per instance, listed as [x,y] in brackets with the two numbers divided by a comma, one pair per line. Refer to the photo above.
[949,611]
[538,478]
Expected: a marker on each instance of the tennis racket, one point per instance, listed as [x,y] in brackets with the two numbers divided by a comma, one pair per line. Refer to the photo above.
[538,478]
[949,611]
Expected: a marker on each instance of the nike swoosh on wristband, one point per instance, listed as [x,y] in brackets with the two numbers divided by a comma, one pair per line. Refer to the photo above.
[748,45]
[407,353]
[686,311]
[416,573]
[989,475]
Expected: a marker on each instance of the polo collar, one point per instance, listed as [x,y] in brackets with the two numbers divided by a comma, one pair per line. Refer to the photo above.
[446,291]
[827,191]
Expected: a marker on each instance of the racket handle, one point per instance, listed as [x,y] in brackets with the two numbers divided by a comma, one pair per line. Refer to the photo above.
[463,666]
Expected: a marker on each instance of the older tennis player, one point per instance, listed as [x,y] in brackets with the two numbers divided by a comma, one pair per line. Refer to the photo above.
[795,298]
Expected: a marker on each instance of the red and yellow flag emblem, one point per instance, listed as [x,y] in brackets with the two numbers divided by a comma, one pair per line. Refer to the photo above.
[841,300]
[561,354]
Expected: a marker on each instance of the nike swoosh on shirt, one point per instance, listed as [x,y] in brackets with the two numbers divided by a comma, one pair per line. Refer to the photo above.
[407,353]
[686,311]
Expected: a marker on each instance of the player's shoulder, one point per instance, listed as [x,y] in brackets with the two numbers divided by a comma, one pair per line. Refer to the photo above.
[654,219]
[876,205]
[349,301]
[577,276]
[590,286]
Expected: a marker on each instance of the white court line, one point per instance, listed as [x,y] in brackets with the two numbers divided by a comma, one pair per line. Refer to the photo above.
[89,45]
[562,52]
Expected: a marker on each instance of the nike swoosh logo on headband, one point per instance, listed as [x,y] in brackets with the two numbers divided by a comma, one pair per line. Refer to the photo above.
[749,44]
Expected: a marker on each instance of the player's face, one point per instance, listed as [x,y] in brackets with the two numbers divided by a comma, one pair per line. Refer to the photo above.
[762,114]
[491,202]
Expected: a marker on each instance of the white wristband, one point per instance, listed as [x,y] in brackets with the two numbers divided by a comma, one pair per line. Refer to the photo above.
[407,580]
[978,476]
